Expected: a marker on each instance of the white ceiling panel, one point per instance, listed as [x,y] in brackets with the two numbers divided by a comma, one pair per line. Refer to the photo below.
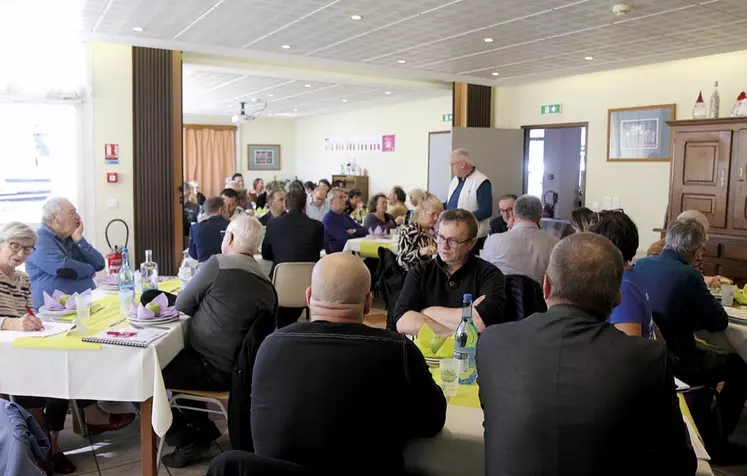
[441,40]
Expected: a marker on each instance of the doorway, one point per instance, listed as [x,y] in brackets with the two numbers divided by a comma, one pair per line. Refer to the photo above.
[555,166]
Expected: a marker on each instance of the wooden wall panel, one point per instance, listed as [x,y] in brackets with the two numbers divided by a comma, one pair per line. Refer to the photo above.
[157,141]
[479,106]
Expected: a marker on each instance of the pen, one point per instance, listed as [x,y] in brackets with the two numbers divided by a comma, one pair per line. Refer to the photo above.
[31,313]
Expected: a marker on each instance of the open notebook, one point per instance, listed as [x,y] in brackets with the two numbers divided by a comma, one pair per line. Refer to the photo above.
[126,337]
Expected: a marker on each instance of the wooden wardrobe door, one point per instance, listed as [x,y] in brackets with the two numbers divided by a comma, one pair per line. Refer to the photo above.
[739,181]
[700,179]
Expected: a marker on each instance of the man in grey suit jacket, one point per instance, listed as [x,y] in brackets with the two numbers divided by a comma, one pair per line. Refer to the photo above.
[565,393]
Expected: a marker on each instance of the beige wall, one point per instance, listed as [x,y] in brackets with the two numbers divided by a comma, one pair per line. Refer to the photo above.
[111,115]
[407,166]
[642,188]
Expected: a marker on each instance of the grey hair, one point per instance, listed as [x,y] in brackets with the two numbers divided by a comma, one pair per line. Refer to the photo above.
[685,236]
[247,232]
[15,230]
[332,194]
[586,270]
[695,215]
[528,207]
[51,208]
[464,154]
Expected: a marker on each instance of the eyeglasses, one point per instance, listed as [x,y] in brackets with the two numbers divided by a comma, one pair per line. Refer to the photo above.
[506,210]
[16,247]
[452,242]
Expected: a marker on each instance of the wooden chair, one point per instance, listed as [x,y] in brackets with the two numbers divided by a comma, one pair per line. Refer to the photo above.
[291,281]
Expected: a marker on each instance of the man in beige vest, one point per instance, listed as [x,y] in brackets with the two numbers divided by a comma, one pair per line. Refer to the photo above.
[470,190]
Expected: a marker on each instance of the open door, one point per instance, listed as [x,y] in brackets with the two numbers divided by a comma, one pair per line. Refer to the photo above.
[498,153]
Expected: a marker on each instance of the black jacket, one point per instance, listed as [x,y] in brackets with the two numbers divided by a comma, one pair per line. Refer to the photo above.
[566,393]
[523,297]
[293,238]
[342,399]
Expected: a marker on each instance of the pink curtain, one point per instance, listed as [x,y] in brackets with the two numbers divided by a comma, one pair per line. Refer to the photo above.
[209,156]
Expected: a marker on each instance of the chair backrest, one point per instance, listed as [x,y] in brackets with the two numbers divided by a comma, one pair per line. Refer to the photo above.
[290,281]
[523,297]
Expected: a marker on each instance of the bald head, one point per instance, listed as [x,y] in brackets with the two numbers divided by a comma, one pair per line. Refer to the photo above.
[339,291]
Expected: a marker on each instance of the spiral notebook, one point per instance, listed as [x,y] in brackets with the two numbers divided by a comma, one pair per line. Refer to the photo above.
[126,337]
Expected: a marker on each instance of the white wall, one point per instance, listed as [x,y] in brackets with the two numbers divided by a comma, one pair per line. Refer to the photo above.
[268,130]
[406,166]
[643,188]
[111,111]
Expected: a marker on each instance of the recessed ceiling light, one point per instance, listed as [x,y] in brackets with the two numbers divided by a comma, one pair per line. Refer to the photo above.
[295,110]
[137,28]
[286,47]
[356,17]
[344,100]
[270,114]
[270,95]
[589,58]
[487,40]
[306,85]
[402,61]
[496,74]
[230,106]
[387,93]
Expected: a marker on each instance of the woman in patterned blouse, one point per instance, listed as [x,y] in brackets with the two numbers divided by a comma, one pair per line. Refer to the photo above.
[416,243]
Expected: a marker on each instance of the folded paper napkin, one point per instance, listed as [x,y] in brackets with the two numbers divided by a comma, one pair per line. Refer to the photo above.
[377,232]
[52,303]
[111,280]
[143,313]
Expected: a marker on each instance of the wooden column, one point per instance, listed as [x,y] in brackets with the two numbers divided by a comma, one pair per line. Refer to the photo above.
[157,131]
[472,105]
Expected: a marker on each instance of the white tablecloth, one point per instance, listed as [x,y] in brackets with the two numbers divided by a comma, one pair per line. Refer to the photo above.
[354,244]
[734,337]
[459,450]
[114,373]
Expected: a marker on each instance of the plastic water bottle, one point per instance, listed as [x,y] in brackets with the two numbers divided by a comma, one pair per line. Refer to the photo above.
[125,283]
[465,344]
[149,272]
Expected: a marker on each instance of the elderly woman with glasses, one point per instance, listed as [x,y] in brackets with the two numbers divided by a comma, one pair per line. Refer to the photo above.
[416,241]
[16,244]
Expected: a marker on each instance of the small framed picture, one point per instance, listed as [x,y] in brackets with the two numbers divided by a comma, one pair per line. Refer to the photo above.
[640,134]
[264,157]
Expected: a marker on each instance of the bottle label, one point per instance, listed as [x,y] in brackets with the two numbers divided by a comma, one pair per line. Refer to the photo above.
[463,359]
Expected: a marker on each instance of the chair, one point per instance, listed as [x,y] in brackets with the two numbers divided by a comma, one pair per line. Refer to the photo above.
[291,281]
[195,396]
[523,297]
[389,280]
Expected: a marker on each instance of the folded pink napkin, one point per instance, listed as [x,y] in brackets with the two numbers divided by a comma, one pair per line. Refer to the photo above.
[52,303]
[143,313]
[377,232]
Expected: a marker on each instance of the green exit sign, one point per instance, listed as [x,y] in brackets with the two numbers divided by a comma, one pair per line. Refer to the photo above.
[447,117]
[551,109]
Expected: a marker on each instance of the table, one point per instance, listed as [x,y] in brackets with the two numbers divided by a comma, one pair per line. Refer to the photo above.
[113,373]
[734,337]
[355,244]
[459,449]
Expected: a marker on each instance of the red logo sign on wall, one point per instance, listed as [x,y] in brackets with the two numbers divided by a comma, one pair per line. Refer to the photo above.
[111,154]
[387,143]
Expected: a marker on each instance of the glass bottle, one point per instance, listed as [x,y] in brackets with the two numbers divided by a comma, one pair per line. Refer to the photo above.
[465,344]
[699,110]
[715,105]
[149,272]
[125,283]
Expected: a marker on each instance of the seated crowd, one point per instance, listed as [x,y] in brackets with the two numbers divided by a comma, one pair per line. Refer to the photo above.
[581,381]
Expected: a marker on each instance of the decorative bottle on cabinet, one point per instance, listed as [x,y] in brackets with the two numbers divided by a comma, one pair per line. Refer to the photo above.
[715,103]
[699,110]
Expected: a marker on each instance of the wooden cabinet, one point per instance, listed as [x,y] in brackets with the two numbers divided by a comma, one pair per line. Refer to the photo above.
[709,174]
[349,182]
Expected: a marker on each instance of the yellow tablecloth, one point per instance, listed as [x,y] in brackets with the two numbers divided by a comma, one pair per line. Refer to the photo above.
[467,395]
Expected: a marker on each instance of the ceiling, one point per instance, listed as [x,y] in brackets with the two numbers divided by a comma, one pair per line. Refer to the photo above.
[489,42]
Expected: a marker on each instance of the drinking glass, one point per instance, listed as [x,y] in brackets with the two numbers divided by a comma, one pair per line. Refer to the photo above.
[449,376]
[83,307]
[727,294]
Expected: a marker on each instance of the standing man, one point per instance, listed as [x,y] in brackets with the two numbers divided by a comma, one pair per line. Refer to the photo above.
[338,226]
[504,222]
[564,392]
[470,190]
[63,260]
[276,203]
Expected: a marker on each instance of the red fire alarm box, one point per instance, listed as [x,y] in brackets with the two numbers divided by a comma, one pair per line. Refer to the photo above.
[112,177]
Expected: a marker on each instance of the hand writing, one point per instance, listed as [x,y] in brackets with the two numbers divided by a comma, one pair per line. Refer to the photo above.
[27,323]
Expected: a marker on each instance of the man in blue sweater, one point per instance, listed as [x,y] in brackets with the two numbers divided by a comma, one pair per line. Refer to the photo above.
[63,260]
[339,227]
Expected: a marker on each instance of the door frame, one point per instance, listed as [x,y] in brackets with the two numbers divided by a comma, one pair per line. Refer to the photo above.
[565,125]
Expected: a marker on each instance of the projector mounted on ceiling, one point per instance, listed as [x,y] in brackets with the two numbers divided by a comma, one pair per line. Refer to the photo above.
[244,116]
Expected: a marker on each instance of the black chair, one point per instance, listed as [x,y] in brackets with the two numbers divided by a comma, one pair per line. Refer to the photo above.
[389,279]
[523,297]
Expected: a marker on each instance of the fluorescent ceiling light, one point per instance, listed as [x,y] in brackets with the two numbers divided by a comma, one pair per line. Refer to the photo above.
[344,100]
[137,28]
[402,61]
[387,93]
[356,17]
[496,74]
[589,58]
[286,47]
[306,85]
[487,40]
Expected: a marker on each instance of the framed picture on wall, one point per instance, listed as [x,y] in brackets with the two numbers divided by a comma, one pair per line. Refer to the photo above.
[264,157]
[640,134]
